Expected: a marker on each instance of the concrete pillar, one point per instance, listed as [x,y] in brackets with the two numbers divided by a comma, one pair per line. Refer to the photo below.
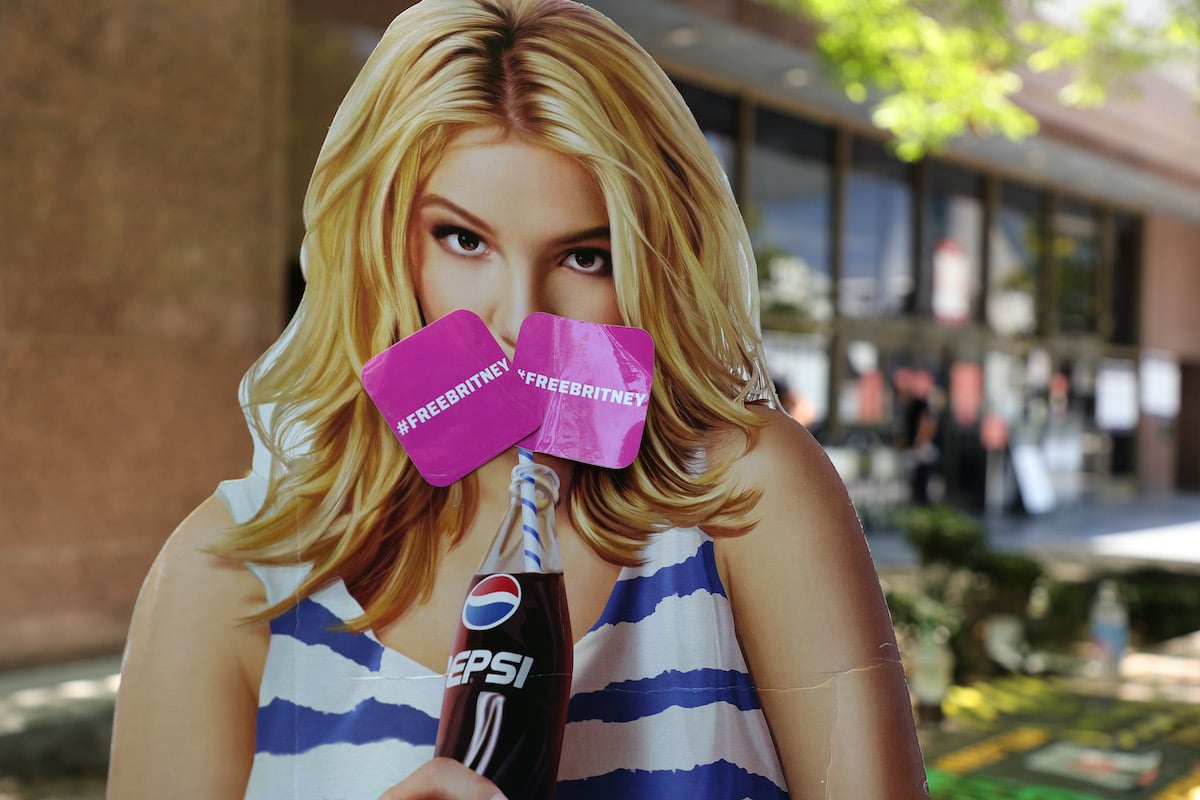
[1170,295]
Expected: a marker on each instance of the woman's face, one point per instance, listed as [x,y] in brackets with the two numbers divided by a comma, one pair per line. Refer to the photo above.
[505,228]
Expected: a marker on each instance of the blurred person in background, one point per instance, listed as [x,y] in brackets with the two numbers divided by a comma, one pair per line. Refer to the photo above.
[917,394]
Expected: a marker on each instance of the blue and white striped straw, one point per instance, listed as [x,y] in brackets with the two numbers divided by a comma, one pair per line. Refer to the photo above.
[529,521]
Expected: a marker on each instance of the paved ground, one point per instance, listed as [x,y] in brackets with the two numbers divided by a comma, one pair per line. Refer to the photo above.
[1162,531]
[56,721]
[1088,536]
[86,788]
[55,730]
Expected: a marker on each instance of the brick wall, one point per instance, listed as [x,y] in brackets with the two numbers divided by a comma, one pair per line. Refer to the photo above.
[141,269]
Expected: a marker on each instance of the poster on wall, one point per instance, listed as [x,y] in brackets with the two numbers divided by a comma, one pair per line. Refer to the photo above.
[1033,478]
[951,299]
[1160,384]
[1116,395]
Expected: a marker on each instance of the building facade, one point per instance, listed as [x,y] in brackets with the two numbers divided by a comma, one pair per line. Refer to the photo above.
[1033,298]
[1037,300]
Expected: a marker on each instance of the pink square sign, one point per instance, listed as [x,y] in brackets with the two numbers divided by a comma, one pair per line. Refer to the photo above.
[592,384]
[451,397]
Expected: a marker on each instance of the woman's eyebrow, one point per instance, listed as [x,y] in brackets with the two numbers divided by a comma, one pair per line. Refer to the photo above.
[587,234]
[474,221]
[598,232]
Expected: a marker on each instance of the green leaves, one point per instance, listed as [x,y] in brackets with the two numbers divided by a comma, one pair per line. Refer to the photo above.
[938,69]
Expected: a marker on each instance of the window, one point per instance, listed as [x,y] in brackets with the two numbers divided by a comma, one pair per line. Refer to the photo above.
[788,215]
[1015,249]
[877,275]
[716,114]
[1077,256]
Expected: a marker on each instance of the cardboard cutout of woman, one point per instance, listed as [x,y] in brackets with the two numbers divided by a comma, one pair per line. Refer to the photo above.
[511,157]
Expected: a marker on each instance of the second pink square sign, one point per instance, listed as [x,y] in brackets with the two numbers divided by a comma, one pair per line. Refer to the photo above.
[592,384]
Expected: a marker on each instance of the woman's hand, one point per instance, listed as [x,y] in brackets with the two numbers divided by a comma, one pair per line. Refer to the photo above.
[443,779]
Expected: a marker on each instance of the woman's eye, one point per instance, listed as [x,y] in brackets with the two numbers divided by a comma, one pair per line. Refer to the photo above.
[591,261]
[459,241]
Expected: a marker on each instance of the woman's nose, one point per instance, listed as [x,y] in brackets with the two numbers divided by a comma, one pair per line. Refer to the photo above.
[515,301]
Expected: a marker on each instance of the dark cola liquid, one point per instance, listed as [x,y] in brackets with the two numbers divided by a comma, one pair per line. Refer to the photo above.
[505,703]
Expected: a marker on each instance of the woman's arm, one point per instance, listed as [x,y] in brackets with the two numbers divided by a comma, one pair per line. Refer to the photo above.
[814,627]
[186,710]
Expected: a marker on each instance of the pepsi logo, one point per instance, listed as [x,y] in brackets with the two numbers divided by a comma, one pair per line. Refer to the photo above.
[493,600]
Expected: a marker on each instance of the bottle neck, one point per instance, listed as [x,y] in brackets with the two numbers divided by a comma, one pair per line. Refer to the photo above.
[527,540]
[536,483]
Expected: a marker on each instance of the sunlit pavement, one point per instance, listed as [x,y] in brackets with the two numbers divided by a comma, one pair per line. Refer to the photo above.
[55,730]
[1083,538]
[1175,544]
[1162,531]
[82,788]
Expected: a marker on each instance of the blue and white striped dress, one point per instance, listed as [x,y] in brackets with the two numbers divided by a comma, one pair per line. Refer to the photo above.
[662,705]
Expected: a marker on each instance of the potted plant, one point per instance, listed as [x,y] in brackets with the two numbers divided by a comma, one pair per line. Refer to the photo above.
[941,534]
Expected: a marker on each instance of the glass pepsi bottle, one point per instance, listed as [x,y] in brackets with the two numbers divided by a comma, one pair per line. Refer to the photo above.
[509,675]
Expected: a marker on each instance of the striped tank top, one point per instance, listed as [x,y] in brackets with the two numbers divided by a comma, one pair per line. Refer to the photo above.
[662,705]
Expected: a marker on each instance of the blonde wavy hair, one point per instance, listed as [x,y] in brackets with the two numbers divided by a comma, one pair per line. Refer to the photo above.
[343,495]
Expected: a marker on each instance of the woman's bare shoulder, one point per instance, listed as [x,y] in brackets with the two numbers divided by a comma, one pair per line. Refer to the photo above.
[188,561]
[804,539]
[192,596]
[185,712]
[803,530]
[200,530]
[784,462]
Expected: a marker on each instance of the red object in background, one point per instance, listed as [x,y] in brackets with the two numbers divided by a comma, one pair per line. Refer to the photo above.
[870,396]
[994,432]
